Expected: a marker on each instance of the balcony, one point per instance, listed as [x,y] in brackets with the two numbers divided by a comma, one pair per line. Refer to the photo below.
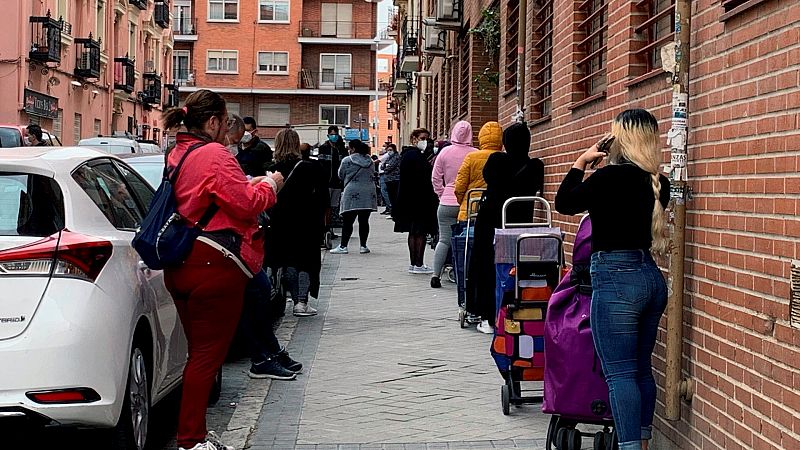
[45,39]
[152,89]
[400,88]
[448,14]
[409,53]
[173,98]
[124,74]
[87,63]
[182,77]
[141,4]
[334,29]
[328,79]
[184,29]
[435,39]
[161,13]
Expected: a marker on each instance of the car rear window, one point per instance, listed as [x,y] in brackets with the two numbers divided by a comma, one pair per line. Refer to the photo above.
[10,137]
[151,171]
[30,205]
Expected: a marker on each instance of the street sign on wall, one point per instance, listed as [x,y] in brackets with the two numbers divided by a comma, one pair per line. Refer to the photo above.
[41,105]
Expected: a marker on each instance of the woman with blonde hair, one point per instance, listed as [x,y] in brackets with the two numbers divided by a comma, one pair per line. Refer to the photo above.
[297,220]
[626,201]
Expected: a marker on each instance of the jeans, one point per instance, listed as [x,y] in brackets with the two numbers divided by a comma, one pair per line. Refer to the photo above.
[628,299]
[448,216]
[256,319]
[385,192]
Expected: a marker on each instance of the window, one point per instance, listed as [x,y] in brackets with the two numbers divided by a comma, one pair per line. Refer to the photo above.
[273,62]
[62,11]
[466,71]
[389,125]
[335,71]
[76,127]
[139,187]
[543,59]
[338,20]
[233,108]
[273,114]
[335,114]
[592,66]
[732,8]
[107,189]
[512,39]
[132,40]
[57,124]
[100,32]
[658,29]
[30,205]
[97,127]
[223,61]
[273,10]
[223,10]
[180,66]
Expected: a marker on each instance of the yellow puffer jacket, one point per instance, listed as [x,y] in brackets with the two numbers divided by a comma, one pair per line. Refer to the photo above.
[470,175]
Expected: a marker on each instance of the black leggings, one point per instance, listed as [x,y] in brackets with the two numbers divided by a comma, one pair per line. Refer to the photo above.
[416,248]
[348,219]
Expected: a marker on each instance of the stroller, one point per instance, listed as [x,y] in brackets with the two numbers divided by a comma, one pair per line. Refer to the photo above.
[461,248]
[575,391]
[529,258]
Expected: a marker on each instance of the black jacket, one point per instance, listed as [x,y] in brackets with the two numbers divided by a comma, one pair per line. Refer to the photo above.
[331,156]
[415,208]
[255,159]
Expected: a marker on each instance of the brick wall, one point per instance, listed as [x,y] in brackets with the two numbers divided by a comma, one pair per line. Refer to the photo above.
[743,223]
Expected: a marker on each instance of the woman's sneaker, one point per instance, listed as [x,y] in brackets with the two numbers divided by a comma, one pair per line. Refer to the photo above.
[485,328]
[287,362]
[473,318]
[422,270]
[270,368]
[340,250]
[411,268]
[364,249]
[301,309]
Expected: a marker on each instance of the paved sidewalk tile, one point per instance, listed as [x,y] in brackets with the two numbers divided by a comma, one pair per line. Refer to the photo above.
[388,366]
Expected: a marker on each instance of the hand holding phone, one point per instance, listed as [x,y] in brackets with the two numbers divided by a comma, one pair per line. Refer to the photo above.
[603,146]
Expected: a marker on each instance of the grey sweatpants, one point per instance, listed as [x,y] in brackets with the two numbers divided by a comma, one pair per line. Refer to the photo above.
[448,216]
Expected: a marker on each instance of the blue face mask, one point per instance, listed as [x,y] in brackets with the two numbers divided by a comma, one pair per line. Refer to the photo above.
[333,137]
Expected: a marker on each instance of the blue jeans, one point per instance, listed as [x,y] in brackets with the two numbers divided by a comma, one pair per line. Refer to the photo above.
[629,296]
[385,192]
[257,320]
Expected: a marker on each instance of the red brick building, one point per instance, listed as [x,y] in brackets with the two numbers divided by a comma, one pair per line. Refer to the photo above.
[586,61]
[281,61]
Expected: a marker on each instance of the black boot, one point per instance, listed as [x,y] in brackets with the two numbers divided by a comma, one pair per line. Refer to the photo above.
[288,363]
[270,368]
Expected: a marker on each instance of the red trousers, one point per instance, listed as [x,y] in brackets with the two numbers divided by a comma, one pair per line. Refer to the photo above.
[208,290]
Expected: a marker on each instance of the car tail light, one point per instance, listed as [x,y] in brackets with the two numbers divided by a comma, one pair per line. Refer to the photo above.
[63,254]
[73,395]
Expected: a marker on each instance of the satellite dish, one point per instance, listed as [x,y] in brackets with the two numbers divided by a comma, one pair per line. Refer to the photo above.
[53,81]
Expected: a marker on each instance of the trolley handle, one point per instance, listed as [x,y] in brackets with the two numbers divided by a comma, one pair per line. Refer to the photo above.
[532,199]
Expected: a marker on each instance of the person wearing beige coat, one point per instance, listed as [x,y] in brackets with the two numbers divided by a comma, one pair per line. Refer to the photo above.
[470,175]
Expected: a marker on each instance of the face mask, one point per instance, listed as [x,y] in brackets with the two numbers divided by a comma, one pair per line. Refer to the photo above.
[333,137]
[234,149]
[246,137]
[422,145]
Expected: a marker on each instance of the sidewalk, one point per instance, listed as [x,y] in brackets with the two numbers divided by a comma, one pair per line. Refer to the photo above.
[387,366]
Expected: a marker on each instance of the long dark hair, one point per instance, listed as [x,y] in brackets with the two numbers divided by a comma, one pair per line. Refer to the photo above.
[200,106]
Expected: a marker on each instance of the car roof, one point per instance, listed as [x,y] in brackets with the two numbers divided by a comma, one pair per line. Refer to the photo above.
[107,140]
[47,160]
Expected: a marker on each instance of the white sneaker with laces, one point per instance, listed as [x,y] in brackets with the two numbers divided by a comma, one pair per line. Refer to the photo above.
[411,268]
[422,270]
[485,328]
[212,443]
[340,250]
[301,309]
[364,249]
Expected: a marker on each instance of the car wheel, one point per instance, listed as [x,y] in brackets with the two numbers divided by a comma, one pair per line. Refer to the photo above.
[134,420]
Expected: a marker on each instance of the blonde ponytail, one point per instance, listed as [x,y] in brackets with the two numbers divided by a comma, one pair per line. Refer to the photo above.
[658,223]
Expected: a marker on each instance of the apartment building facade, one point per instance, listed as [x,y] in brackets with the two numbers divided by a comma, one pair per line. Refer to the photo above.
[283,62]
[83,68]
[588,60]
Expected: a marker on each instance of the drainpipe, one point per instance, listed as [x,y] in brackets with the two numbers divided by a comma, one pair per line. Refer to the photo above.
[677,61]
[522,39]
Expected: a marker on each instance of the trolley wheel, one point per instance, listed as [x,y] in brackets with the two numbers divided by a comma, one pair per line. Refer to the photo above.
[552,428]
[574,439]
[451,274]
[561,439]
[611,440]
[328,240]
[462,318]
[599,441]
[505,396]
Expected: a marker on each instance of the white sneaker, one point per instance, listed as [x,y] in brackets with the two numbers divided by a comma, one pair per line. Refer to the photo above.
[364,249]
[485,328]
[340,250]
[301,309]
[411,268]
[422,270]
[212,443]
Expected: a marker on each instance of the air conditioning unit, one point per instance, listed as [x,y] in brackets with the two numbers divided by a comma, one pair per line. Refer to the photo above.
[448,14]
[435,41]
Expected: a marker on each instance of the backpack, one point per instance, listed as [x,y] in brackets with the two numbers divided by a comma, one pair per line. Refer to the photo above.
[164,238]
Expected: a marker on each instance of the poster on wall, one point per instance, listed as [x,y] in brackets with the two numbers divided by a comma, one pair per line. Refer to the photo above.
[40,105]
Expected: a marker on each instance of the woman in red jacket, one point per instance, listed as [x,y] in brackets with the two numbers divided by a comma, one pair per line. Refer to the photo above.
[208,288]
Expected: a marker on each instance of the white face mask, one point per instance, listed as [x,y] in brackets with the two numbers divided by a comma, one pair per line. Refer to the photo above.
[246,137]
[422,145]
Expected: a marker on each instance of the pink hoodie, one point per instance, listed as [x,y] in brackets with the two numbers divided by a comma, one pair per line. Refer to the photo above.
[445,169]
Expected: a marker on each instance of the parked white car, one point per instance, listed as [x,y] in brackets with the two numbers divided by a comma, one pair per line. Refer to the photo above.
[112,145]
[89,335]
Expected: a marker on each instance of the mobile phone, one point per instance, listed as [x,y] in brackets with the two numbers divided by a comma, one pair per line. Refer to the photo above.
[603,146]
